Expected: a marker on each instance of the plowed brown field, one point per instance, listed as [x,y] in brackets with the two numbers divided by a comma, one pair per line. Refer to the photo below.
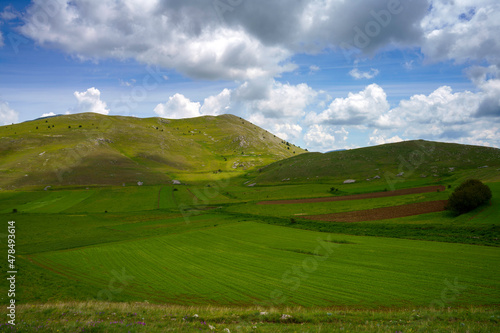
[358,196]
[382,213]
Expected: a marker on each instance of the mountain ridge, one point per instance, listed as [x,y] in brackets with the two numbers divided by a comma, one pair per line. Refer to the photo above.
[90,149]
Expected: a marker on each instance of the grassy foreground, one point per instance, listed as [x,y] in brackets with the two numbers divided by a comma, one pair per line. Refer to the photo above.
[142,317]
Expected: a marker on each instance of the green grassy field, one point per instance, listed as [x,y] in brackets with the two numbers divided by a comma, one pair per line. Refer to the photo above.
[247,262]
[199,256]
[207,248]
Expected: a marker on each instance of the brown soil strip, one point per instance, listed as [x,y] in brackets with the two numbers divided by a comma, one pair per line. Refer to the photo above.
[382,213]
[359,196]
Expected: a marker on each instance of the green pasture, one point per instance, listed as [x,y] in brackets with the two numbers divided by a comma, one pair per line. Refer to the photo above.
[96,200]
[252,263]
[43,232]
[221,191]
[212,244]
[92,200]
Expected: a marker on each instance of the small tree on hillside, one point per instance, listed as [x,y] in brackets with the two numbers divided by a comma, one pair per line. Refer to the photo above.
[469,195]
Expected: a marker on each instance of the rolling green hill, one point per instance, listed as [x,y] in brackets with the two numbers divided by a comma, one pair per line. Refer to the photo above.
[93,149]
[408,160]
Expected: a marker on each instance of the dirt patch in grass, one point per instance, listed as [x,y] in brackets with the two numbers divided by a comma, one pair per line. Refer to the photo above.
[382,213]
[359,196]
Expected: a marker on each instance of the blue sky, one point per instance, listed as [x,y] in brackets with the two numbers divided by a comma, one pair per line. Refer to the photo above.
[322,74]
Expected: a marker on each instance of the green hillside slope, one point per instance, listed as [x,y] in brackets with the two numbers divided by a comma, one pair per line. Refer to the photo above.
[93,149]
[391,162]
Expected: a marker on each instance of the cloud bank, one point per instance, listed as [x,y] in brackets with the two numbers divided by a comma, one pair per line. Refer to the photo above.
[248,39]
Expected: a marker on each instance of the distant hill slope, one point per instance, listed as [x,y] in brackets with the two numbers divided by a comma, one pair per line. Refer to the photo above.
[93,149]
[417,159]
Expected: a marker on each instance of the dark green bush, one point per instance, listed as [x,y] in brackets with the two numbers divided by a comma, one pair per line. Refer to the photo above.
[469,195]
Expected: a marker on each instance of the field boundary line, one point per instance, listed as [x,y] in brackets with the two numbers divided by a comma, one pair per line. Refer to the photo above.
[159,194]
[382,213]
[371,195]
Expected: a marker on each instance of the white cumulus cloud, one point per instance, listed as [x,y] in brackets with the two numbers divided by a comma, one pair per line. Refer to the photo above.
[462,30]
[285,100]
[90,101]
[325,138]
[178,106]
[7,114]
[216,105]
[362,108]
[490,103]
[440,107]
[277,107]
[287,131]
[378,139]
[463,117]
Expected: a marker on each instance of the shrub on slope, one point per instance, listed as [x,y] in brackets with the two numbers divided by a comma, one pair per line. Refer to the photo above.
[469,195]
